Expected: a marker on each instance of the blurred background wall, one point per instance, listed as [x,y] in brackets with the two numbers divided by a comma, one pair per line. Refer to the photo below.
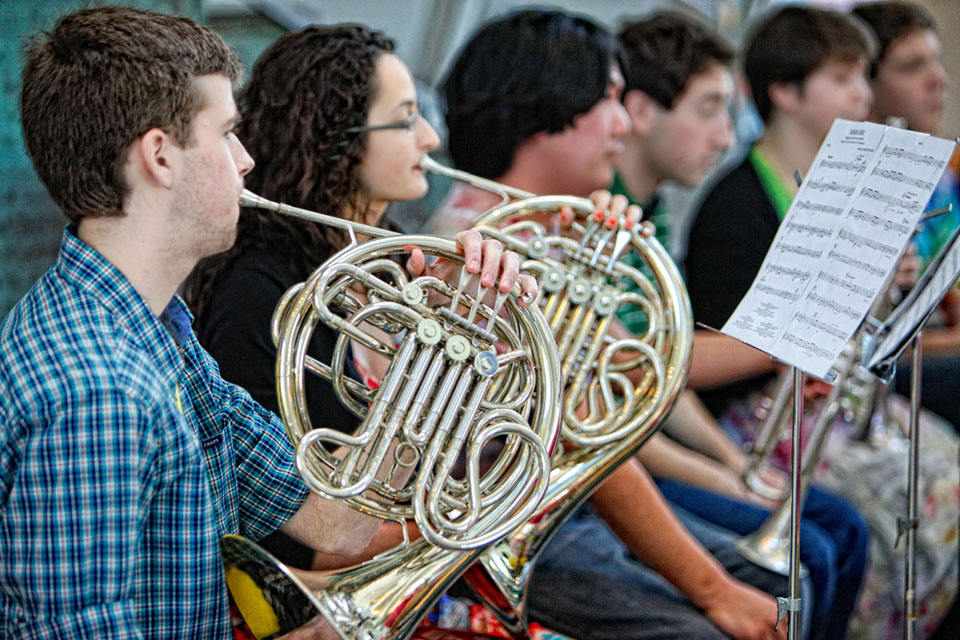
[428,32]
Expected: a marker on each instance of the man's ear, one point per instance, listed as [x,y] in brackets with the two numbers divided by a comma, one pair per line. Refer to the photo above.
[157,154]
[784,96]
[642,110]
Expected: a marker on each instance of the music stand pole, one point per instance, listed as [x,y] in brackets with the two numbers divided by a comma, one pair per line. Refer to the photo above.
[913,471]
[793,630]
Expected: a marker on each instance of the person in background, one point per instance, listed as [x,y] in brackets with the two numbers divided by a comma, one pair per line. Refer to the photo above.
[334,115]
[806,67]
[909,82]
[679,84]
[624,566]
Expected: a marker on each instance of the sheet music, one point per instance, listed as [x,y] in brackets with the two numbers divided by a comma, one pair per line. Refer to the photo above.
[839,242]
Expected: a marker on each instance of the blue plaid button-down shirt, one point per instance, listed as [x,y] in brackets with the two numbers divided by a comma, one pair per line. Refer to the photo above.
[123,457]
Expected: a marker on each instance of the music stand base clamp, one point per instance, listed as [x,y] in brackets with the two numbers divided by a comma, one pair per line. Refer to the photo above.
[784,606]
[905,525]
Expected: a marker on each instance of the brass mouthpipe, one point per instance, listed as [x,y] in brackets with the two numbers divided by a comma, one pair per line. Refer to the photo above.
[250,199]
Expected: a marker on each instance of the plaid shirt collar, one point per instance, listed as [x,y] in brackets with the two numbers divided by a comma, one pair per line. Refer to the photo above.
[84,267]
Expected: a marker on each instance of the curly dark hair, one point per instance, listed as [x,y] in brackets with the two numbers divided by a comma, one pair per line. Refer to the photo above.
[306,90]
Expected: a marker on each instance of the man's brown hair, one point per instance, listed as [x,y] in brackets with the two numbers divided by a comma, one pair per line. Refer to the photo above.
[660,55]
[891,21]
[790,44]
[99,80]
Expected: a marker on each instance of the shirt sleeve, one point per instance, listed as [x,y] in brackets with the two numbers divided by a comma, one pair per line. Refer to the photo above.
[270,489]
[72,527]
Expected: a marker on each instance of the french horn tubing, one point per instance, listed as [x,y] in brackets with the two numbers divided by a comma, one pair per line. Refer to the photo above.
[465,373]
[607,415]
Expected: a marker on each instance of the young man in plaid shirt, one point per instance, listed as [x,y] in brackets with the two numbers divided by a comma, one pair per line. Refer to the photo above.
[123,454]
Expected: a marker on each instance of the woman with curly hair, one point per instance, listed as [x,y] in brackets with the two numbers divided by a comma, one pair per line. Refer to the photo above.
[331,116]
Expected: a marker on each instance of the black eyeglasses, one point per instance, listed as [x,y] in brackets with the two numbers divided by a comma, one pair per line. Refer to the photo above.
[407,123]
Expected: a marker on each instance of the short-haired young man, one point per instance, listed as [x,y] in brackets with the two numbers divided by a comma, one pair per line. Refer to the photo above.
[678,87]
[534,102]
[806,67]
[909,81]
[123,455]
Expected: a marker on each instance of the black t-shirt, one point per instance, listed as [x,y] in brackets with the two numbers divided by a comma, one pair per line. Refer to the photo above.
[729,238]
[235,329]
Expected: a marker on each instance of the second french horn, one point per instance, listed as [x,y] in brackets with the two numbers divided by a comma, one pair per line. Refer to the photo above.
[617,388]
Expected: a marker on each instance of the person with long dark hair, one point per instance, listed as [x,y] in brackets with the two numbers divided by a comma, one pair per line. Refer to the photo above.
[333,116]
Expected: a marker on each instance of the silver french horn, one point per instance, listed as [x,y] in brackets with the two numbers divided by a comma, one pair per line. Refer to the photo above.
[616,390]
[463,373]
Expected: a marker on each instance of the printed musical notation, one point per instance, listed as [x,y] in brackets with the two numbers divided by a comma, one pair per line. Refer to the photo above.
[819,208]
[789,272]
[846,284]
[902,203]
[896,176]
[810,230]
[862,241]
[798,250]
[848,224]
[834,306]
[915,158]
[780,293]
[807,346]
[836,187]
[877,221]
[856,263]
[856,167]
[821,326]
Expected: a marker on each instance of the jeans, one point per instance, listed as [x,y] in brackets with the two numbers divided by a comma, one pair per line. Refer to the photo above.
[833,545]
[587,585]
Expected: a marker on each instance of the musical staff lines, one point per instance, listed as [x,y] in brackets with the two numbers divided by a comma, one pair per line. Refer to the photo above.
[822,326]
[788,272]
[780,293]
[819,208]
[857,167]
[809,229]
[877,221]
[873,194]
[799,250]
[896,176]
[858,264]
[834,306]
[833,185]
[838,242]
[862,241]
[807,346]
[845,284]
[910,156]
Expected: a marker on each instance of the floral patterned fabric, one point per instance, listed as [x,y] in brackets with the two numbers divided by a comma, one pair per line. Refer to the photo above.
[873,476]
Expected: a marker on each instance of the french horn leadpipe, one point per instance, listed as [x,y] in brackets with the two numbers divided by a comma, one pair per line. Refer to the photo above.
[447,393]
[582,289]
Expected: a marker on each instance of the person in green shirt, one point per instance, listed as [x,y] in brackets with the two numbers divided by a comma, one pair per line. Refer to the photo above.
[678,87]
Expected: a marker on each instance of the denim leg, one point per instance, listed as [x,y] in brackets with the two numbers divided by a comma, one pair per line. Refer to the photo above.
[587,585]
[832,546]
[850,534]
